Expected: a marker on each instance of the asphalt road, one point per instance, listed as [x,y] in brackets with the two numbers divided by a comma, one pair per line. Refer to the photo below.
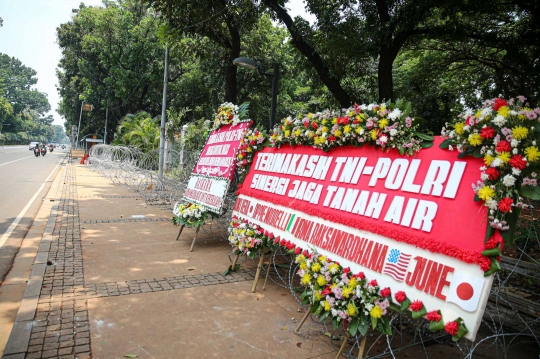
[24,181]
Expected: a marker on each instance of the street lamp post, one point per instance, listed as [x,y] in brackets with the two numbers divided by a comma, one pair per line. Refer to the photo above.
[251,64]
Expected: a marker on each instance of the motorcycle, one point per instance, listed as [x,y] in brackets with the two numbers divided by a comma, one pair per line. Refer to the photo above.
[51,147]
[43,151]
[36,151]
[63,147]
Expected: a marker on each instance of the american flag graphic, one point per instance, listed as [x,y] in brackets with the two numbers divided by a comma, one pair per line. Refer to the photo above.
[396,264]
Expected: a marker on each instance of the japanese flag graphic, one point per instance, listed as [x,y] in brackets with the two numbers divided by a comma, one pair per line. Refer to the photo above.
[465,291]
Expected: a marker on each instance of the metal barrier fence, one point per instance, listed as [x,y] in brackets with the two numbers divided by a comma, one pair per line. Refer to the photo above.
[511,324]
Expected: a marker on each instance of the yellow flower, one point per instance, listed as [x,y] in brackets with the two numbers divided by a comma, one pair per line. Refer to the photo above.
[321,280]
[347,291]
[383,123]
[309,115]
[523,117]
[318,295]
[504,156]
[334,121]
[351,113]
[520,132]
[347,128]
[337,133]
[488,159]
[324,122]
[316,267]
[248,149]
[353,283]
[311,134]
[458,127]
[351,310]
[373,134]
[359,130]
[504,111]
[486,193]
[322,259]
[475,139]
[297,132]
[333,268]
[287,133]
[240,156]
[324,129]
[327,306]
[303,265]
[478,113]
[532,153]
[306,279]
[376,312]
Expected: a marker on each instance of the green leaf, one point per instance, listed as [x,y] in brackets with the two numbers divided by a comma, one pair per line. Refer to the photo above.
[227,271]
[373,322]
[386,327]
[494,252]
[477,153]
[423,136]
[324,316]
[477,199]
[405,304]
[335,323]
[318,311]
[511,219]
[130,355]
[401,150]
[363,326]
[426,144]
[489,232]
[314,307]
[395,307]
[532,192]
[445,143]
[420,313]
[353,327]
[435,326]
[461,331]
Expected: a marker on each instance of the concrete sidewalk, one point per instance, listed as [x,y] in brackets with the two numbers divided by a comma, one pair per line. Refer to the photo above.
[105,284]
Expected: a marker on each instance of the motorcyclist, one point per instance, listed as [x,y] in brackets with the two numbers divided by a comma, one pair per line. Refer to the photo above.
[36,150]
[43,150]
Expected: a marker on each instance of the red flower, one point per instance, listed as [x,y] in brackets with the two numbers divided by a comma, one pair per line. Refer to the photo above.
[503,146]
[271,235]
[283,242]
[305,253]
[416,305]
[326,291]
[297,250]
[518,162]
[360,275]
[492,173]
[451,328]
[385,293]
[373,282]
[470,121]
[346,270]
[345,120]
[498,103]
[314,125]
[400,296]
[505,204]
[485,264]
[491,243]
[331,138]
[487,132]
[290,245]
[306,124]
[276,240]
[433,316]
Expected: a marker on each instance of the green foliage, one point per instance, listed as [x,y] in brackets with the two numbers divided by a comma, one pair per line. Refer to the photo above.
[139,130]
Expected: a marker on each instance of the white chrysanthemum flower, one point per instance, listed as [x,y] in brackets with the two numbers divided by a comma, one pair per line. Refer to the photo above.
[516,171]
[466,128]
[486,112]
[393,132]
[509,180]
[514,142]
[370,107]
[491,204]
[468,112]
[395,114]
[497,162]
[499,120]
[484,176]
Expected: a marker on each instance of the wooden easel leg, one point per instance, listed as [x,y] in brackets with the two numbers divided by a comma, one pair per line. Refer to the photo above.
[194,239]
[267,273]
[233,266]
[258,271]
[179,233]
[303,320]
[362,347]
[342,346]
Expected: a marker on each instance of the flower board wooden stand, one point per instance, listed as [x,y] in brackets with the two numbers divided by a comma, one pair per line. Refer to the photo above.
[194,239]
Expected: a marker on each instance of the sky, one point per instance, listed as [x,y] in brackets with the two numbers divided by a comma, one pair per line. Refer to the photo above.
[29,34]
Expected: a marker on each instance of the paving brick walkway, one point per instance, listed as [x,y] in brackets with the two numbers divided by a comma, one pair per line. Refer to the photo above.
[60,327]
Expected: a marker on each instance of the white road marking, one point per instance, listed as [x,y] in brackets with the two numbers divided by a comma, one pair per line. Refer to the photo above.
[14,224]
[7,163]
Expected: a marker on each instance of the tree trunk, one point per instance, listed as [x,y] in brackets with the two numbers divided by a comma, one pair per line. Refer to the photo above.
[298,41]
[384,72]
[231,86]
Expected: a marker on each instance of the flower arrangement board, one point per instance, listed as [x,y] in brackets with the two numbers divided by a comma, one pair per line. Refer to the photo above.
[407,222]
[215,168]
